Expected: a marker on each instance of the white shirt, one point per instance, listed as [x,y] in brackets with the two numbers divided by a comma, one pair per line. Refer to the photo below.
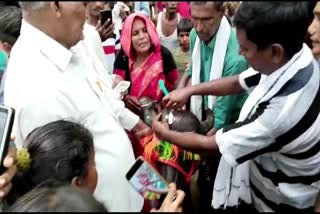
[93,40]
[171,42]
[46,82]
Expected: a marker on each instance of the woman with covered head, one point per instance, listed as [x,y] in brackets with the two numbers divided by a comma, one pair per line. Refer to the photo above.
[144,61]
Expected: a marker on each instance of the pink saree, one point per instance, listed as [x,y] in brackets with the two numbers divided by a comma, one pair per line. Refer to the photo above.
[144,79]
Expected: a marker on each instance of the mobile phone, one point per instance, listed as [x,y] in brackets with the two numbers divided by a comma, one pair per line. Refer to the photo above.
[146,180]
[105,15]
[6,123]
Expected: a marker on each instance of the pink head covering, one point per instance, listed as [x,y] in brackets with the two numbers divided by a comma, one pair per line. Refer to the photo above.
[126,42]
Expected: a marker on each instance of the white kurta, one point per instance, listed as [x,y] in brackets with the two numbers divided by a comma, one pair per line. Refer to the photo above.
[46,82]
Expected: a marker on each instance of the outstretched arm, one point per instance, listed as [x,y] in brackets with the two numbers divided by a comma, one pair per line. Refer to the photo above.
[220,87]
[186,140]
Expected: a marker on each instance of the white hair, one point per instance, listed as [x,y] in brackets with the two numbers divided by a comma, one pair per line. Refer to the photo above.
[33,5]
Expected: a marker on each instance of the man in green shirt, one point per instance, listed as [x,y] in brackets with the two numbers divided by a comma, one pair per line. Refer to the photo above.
[207,18]
[226,109]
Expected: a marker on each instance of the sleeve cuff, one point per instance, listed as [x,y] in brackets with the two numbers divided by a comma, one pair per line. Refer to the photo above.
[223,148]
[244,75]
[128,120]
[242,82]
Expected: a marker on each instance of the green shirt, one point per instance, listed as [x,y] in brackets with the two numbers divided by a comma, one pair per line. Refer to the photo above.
[180,58]
[227,108]
[3,61]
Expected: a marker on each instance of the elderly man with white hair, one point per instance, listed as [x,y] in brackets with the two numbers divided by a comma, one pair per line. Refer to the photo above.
[51,76]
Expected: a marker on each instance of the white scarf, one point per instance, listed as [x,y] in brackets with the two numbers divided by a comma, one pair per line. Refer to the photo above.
[232,183]
[218,58]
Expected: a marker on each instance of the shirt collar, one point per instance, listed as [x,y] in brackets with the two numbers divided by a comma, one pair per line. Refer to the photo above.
[52,49]
[212,42]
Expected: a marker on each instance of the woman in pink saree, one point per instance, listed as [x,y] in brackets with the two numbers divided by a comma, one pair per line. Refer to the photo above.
[143,61]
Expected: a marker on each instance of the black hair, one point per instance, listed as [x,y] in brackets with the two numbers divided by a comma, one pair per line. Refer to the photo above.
[217,4]
[310,6]
[9,3]
[10,23]
[185,121]
[55,196]
[266,23]
[59,150]
[184,25]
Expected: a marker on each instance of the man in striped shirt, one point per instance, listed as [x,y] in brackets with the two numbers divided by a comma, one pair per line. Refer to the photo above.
[110,38]
[111,48]
[277,134]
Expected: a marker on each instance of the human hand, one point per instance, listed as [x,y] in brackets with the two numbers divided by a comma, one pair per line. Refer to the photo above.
[9,173]
[176,99]
[105,31]
[141,130]
[159,128]
[154,15]
[173,200]
[116,80]
[123,13]
[211,132]
[132,103]
[158,107]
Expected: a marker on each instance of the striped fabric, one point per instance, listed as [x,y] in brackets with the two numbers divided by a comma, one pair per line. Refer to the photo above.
[279,136]
[110,46]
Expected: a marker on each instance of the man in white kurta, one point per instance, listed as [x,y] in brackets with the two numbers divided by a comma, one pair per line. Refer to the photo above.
[47,81]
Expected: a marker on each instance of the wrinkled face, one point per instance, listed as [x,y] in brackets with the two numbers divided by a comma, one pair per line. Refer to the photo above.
[257,59]
[206,20]
[314,31]
[184,40]
[139,37]
[171,6]
[92,177]
[71,17]
[95,7]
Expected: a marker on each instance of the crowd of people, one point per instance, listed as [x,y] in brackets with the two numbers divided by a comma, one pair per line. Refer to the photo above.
[76,86]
